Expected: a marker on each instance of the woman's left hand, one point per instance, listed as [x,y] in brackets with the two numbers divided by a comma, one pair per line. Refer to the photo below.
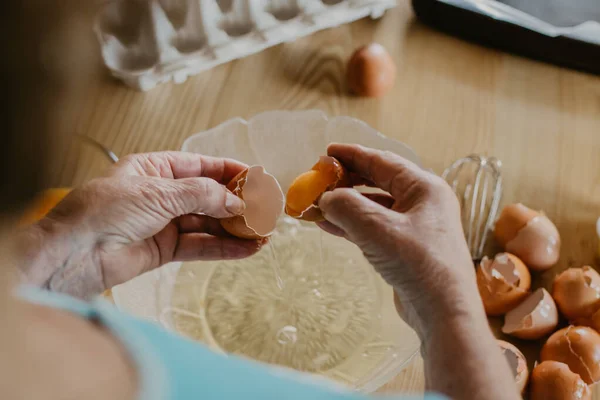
[150,210]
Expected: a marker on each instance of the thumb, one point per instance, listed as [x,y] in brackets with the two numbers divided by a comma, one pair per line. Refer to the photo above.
[197,196]
[359,217]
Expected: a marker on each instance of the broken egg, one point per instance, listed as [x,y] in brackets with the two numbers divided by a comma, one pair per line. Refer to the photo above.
[535,317]
[305,191]
[264,204]
[528,234]
[577,292]
[517,363]
[371,71]
[553,380]
[503,283]
[579,348]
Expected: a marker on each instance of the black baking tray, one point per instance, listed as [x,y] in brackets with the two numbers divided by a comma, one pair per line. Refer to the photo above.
[511,37]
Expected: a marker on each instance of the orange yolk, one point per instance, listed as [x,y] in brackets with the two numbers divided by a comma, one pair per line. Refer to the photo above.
[45,202]
[307,188]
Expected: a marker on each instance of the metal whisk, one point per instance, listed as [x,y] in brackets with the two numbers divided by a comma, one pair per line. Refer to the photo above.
[477,182]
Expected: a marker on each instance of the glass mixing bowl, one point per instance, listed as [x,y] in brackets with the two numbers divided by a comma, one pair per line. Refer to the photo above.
[308,300]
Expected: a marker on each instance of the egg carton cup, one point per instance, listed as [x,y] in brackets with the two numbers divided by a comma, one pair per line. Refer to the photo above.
[286,143]
[148,42]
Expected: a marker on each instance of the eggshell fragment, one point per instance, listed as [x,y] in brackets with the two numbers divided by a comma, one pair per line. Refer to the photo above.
[503,283]
[304,192]
[579,348]
[553,380]
[371,71]
[533,318]
[264,204]
[577,292]
[528,234]
[517,363]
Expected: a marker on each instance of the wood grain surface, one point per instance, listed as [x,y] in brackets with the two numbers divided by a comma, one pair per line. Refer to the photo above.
[451,98]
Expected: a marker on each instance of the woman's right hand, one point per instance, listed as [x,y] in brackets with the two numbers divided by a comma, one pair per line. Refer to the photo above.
[412,236]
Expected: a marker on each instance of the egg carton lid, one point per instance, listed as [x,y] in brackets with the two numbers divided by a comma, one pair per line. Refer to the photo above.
[148,42]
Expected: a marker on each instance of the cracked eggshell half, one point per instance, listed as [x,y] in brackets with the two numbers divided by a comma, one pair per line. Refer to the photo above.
[264,204]
[528,234]
[503,283]
[535,317]
[577,292]
[579,348]
[517,363]
[304,192]
[553,380]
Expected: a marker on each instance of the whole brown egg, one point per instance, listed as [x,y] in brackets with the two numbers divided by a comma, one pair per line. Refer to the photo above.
[371,71]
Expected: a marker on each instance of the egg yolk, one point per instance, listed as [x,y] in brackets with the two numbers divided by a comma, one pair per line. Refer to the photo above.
[45,202]
[307,188]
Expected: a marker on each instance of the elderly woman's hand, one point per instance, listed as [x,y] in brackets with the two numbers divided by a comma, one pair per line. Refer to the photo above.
[150,210]
[412,236]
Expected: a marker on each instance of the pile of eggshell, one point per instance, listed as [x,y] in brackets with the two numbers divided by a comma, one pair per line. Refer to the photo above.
[570,358]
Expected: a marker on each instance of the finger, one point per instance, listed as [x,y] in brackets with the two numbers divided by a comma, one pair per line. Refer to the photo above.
[357,180]
[197,196]
[331,228]
[200,246]
[356,215]
[387,170]
[178,165]
[200,224]
[382,199]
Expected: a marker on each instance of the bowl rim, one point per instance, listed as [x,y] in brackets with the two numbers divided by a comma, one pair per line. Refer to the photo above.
[368,129]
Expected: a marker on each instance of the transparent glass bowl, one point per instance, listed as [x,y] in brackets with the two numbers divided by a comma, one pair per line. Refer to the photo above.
[329,314]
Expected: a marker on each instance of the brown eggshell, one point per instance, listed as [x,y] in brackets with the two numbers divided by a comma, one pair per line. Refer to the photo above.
[264,204]
[593,321]
[538,244]
[577,292]
[529,235]
[553,380]
[371,71]
[579,348]
[517,363]
[503,283]
[535,317]
[512,219]
[326,163]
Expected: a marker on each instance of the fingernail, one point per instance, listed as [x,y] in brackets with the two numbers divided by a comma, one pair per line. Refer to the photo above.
[234,204]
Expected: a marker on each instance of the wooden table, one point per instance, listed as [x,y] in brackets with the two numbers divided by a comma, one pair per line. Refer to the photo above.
[451,98]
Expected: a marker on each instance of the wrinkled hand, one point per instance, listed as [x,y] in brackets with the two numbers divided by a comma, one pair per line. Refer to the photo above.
[412,235]
[151,209]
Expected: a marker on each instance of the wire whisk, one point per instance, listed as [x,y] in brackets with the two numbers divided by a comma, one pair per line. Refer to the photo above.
[477,182]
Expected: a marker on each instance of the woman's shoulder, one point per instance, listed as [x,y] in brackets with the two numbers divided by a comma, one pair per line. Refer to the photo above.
[173,367]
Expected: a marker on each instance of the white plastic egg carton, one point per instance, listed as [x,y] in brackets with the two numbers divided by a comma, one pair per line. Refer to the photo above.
[148,42]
